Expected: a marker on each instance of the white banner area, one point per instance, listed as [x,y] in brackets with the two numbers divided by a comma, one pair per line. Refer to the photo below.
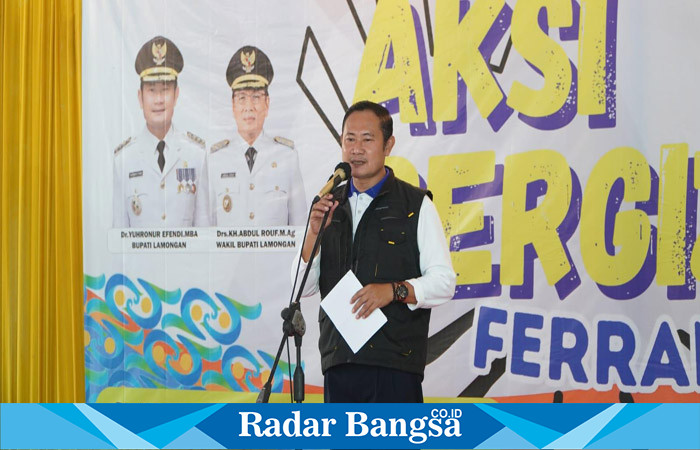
[558,138]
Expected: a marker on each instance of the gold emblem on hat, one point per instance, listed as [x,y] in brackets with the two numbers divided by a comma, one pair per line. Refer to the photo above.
[159,52]
[274,164]
[248,61]
[136,205]
[227,203]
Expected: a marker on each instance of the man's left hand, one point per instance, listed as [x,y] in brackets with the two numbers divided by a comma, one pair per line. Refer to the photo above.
[371,297]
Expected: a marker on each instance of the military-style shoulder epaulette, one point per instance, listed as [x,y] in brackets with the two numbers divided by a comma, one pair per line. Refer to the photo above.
[196,139]
[122,145]
[219,145]
[284,141]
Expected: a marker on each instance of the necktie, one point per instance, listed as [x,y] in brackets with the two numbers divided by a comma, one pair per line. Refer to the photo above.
[161,157]
[250,155]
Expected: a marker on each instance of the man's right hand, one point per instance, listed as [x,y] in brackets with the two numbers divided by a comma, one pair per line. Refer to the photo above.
[317,212]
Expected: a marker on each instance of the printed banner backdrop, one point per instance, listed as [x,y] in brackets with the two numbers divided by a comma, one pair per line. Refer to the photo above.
[558,139]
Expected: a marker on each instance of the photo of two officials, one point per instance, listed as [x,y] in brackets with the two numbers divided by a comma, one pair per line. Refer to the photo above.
[167,177]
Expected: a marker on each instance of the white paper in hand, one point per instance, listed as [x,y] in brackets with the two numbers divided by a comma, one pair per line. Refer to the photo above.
[356,332]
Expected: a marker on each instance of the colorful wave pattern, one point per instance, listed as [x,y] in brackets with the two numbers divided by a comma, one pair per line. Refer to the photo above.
[138,334]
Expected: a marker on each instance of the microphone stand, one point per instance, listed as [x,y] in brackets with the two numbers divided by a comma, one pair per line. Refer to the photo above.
[294,325]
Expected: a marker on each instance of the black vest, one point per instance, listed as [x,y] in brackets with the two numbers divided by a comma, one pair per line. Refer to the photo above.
[385,249]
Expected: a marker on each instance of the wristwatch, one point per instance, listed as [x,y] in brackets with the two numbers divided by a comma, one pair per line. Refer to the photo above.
[400,291]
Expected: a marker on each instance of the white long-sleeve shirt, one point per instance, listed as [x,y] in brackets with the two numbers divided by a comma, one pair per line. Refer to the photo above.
[435,286]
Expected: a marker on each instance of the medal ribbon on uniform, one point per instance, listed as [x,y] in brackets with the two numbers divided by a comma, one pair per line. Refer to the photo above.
[191,176]
[188,188]
[180,177]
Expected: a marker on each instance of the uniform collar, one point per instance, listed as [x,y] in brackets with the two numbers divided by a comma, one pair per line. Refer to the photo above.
[242,143]
[152,141]
[374,190]
[171,150]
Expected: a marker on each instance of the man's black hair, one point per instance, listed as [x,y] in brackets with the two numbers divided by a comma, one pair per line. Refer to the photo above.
[386,123]
[153,82]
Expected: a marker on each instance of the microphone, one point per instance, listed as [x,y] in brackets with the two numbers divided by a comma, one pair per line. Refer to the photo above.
[342,172]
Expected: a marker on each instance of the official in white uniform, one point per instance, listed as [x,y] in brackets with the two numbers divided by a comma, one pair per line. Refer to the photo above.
[254,178]
[157,172]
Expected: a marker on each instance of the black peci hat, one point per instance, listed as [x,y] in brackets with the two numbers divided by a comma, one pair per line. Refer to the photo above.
[159,60]
[249,68]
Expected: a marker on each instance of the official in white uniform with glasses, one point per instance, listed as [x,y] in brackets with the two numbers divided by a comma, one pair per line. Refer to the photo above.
[254,178]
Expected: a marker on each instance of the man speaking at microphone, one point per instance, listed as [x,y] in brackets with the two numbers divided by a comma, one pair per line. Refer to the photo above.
[390,235]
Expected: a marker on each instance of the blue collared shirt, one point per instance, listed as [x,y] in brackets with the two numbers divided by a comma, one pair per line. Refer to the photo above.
[374,190]
[360,201]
